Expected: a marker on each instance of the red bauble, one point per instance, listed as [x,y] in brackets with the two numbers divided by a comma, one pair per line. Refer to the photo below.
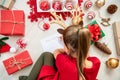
[69,5]
[46,26]
[57,5]
[44,5]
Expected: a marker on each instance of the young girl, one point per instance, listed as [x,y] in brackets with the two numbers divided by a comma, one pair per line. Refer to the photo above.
[72,62]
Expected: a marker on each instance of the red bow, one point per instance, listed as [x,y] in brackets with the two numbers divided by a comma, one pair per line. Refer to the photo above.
[21,43]
[95,31]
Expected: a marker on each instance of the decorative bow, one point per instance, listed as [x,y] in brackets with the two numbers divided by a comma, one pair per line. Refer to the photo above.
[21,43]
[17,63]
[95,31]
[13,63]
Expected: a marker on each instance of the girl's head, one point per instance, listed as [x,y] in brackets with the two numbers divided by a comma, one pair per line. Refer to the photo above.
[77,40]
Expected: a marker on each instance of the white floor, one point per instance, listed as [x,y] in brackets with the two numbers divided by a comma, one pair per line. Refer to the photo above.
[33,35]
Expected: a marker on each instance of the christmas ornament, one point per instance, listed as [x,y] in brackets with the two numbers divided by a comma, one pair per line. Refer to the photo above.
[57,5]
[34,14]
[13,49]
[100,3]
[88,4]
[69,5]
[112,63]
[112,8]
[91,15]
[105,21]
[44,5]
[21,43]
[44,26]
[103,47]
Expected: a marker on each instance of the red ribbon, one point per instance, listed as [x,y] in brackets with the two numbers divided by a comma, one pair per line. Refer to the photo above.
[21,43]
[14,62]
[95,31]
[79,2]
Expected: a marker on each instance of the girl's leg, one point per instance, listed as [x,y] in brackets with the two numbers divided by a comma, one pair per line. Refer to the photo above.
[46,58]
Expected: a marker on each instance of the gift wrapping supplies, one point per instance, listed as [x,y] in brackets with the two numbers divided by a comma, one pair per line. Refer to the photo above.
[95,30]
[7,4]
[12,22]
[116,31]
[17,62]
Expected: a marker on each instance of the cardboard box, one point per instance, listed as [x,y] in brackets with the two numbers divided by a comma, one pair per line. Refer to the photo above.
[116,31]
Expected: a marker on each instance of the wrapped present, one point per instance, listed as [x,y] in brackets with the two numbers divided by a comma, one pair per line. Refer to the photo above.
[7,4]
[96,31]
[17,62]
[116,28]
[12,22]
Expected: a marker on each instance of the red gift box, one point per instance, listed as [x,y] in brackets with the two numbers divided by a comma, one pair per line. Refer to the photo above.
[12,22]
[17,62]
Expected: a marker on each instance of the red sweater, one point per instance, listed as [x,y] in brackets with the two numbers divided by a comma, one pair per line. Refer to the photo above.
[67,69]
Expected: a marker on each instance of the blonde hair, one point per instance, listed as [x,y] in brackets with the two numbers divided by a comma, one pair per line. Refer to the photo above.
[77,39]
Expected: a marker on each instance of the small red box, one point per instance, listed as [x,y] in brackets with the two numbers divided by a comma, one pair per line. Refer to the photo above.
[12,22]
[17,62]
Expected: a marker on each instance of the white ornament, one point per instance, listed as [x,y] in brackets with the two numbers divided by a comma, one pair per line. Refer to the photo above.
[13,49]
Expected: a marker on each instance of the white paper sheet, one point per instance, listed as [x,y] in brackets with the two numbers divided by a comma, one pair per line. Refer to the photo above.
[52,43]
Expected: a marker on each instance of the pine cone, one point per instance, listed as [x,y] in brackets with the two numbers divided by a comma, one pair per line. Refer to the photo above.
[103,47]
[112,8]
